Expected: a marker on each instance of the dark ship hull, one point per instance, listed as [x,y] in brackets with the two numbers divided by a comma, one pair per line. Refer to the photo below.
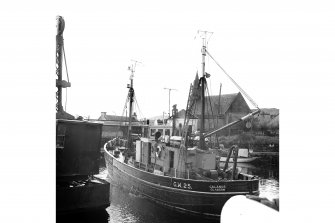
[77,159]
[198,197]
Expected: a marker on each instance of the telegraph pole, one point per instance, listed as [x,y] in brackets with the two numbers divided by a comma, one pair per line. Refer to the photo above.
[170,89]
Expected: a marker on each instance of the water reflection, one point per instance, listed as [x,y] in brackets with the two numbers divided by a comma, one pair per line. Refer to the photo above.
[269,188]
[127,207]
[269,174]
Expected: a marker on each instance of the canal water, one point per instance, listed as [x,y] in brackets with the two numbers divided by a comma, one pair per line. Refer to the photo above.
[128,208]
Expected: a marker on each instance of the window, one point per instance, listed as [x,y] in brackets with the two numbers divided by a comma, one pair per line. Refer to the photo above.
[152,132]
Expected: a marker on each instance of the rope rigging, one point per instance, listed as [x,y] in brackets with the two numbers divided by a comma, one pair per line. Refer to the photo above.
[124,109]
[67,74]
[125,106]
[210,105]
[215,124]
[138,107]
[241,90]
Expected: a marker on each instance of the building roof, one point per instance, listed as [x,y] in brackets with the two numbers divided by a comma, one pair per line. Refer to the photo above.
[115,118]
[269,111]
[212,103]
[224,101]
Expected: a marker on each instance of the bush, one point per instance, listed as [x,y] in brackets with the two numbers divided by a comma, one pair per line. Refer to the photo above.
[249,140]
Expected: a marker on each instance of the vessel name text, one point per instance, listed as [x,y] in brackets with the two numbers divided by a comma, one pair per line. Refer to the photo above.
[217,187]
[182,185]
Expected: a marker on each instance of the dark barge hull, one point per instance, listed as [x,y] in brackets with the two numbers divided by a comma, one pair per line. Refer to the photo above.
[92,196]
[77,158]
[190,196]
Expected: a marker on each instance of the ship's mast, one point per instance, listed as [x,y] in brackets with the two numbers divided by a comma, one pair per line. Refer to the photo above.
[203,87]
[131,99]
[203,82]
[131,95]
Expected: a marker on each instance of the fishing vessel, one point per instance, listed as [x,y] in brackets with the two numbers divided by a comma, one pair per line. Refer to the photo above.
[77,153]
[179,172]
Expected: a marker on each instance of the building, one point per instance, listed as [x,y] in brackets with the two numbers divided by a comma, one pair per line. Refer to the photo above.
[117,126]
[219,111]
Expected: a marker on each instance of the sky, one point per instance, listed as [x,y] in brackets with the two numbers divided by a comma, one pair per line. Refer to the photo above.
[100,48]
[252,43]
[280,52]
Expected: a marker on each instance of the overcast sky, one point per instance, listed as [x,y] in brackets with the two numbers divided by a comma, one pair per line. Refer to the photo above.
[101,41]
[258,43]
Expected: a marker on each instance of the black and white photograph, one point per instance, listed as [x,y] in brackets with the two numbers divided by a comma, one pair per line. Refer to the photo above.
[161,112]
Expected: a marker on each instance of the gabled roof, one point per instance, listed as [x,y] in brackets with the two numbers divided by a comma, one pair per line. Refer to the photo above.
[225,101]
[212,103]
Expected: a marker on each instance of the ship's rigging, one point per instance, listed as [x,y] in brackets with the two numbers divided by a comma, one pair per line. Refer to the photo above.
[131,98]
[197,91]
[185,178]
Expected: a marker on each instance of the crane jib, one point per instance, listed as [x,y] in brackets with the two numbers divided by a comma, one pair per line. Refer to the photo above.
[233,123]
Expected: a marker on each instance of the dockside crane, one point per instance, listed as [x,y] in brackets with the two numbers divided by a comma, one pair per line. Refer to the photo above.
[60,83]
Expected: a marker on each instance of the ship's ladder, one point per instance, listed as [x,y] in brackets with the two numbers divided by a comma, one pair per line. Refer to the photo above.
[188,113]
[183,144]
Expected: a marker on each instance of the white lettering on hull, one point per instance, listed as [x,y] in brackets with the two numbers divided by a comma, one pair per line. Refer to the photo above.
[217,187]
[182,185]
